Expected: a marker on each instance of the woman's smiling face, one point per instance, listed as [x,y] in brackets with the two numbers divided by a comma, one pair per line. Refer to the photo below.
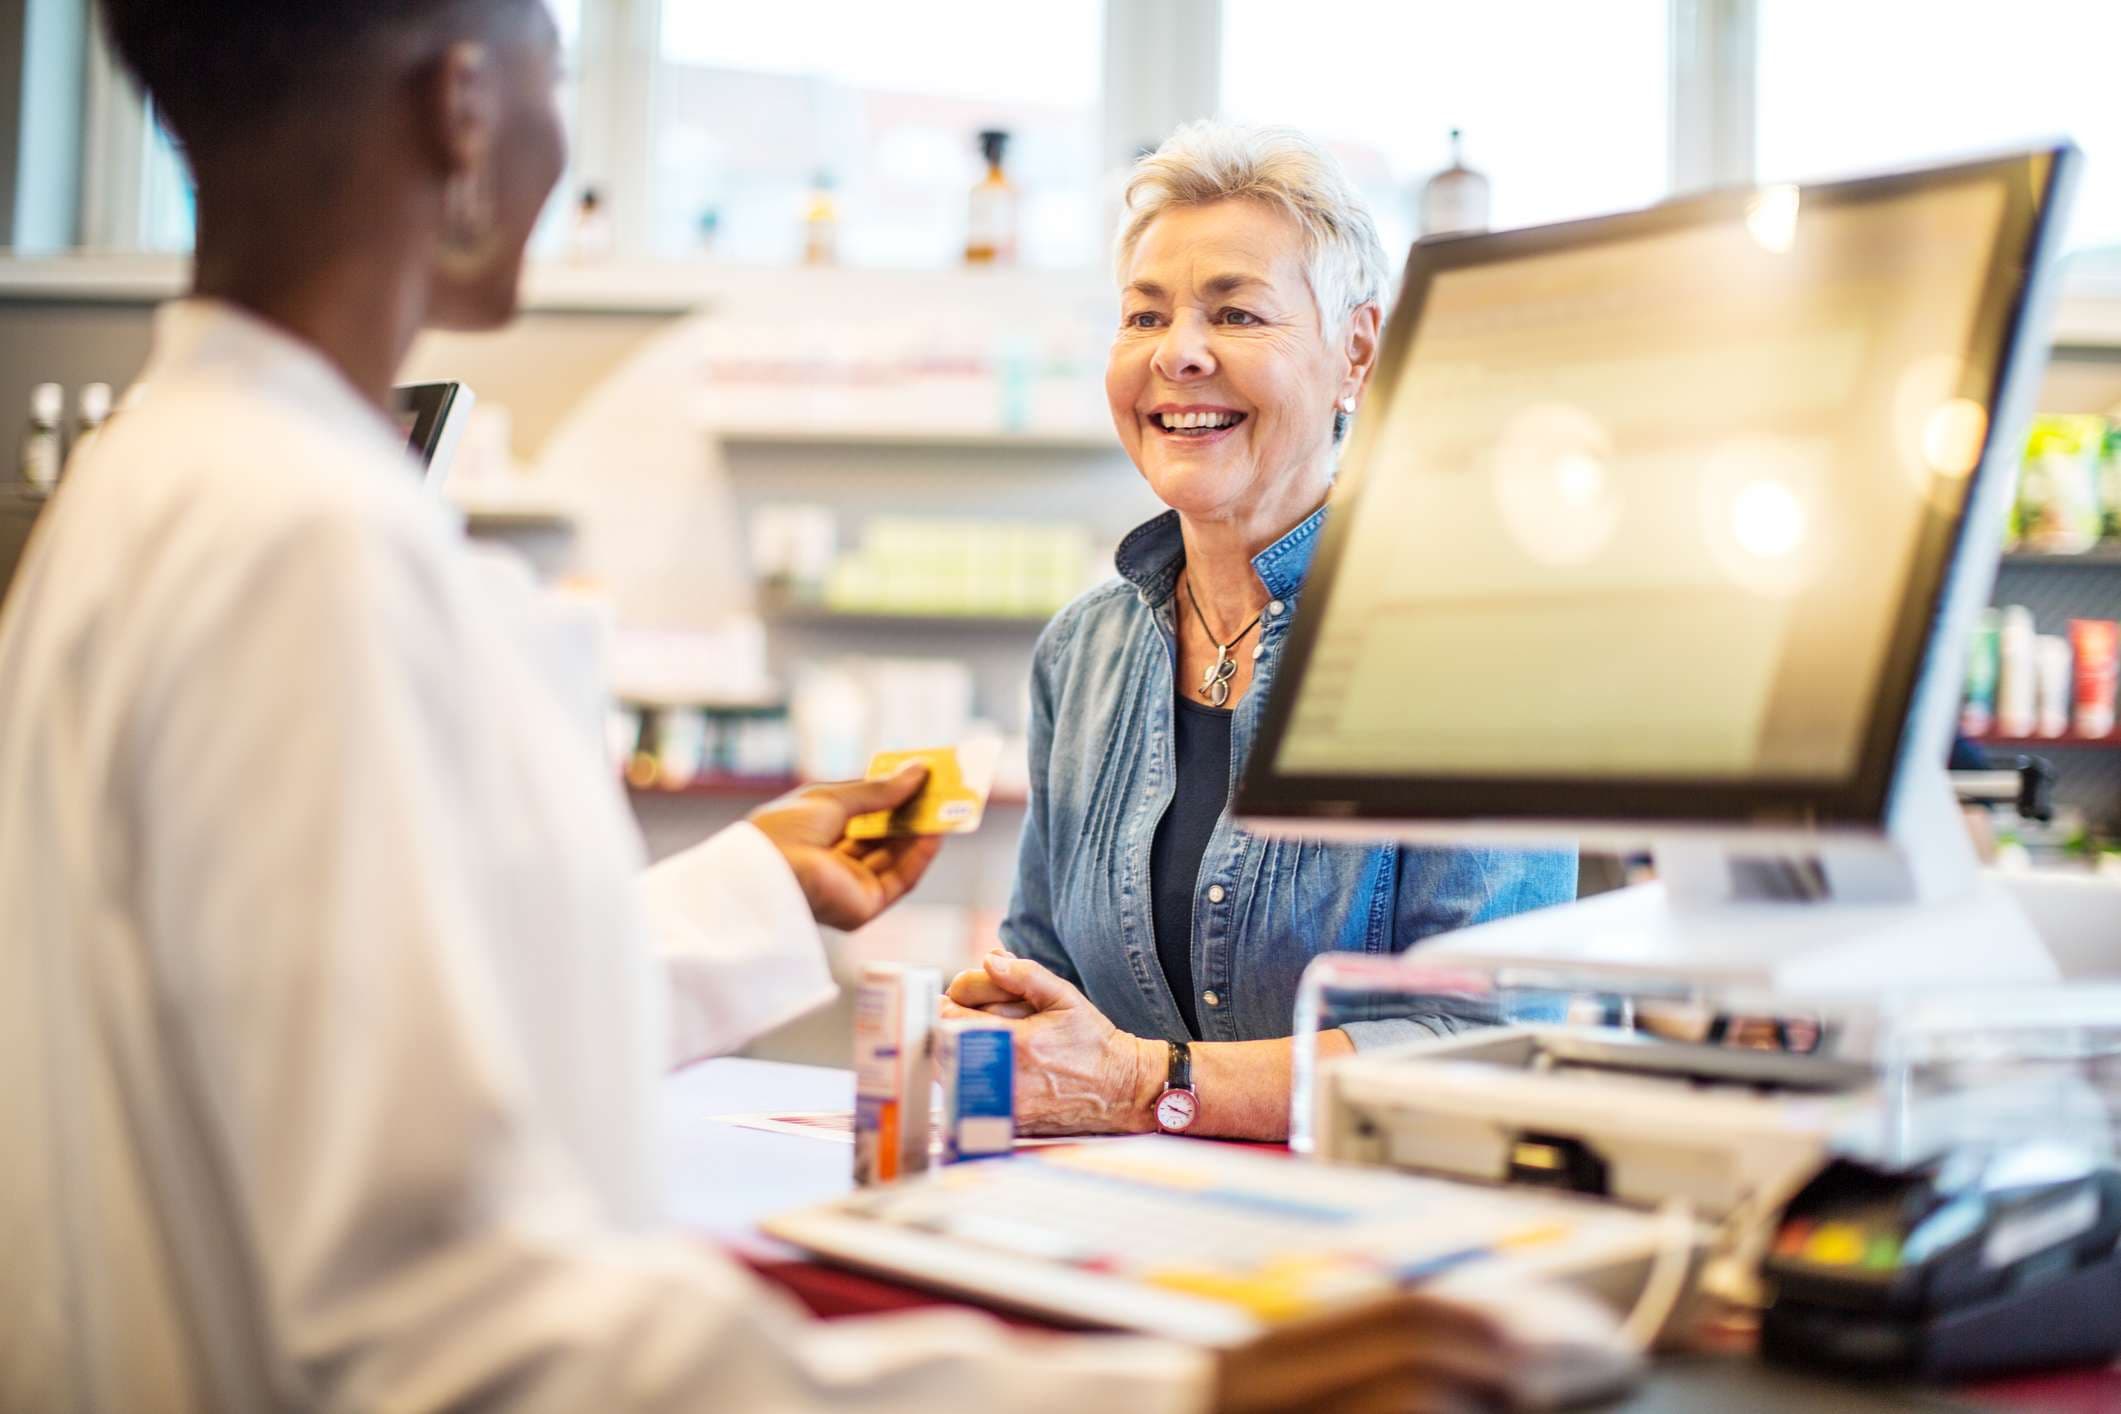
[1222,382]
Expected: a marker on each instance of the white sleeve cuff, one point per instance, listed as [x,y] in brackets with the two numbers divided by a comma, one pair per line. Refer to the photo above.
[735,934]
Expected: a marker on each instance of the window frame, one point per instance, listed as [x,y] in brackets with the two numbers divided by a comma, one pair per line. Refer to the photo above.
[1162,66]
[114,151]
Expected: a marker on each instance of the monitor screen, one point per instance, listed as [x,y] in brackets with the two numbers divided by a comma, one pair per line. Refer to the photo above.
[1649,516]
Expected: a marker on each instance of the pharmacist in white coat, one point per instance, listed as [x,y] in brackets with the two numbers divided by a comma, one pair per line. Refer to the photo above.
[330,1012]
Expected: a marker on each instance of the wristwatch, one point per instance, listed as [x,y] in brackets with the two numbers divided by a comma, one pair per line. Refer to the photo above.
[1178,1106]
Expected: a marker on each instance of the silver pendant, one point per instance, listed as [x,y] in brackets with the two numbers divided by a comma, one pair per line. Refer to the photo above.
[1215,679]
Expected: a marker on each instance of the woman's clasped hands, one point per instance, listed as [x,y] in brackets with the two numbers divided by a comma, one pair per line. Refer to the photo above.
[1076,1073]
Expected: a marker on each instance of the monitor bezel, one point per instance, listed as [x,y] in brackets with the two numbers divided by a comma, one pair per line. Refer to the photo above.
[434,407]
[1862,800]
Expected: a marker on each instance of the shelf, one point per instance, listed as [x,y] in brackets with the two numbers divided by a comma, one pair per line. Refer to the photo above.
[511,507]
[493,518]
[2072,742]
[2104,556]
[650,701]
[548,286]
[1101,439]
[766,787]
[818,616]
[725,787]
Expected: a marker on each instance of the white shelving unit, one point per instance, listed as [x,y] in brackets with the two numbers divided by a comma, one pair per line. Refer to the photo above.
[1099,439]
[614,287]
[503,513]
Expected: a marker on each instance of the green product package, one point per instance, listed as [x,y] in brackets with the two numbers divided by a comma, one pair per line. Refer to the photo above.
[2058,505]
[2110,484]
[1984,666]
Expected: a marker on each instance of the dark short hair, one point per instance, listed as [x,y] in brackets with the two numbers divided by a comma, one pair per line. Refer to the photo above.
[217,69]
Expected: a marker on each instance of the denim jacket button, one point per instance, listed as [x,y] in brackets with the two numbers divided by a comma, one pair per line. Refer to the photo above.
[1215,893]
[1211,999]
[1259,651]
[1276,608]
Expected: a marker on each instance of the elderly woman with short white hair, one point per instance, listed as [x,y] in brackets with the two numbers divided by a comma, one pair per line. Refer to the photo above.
[1151,954]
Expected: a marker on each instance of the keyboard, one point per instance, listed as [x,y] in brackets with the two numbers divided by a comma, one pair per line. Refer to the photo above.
[1207,1242]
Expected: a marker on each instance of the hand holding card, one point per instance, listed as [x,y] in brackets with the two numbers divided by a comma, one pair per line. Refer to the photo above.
[952,802]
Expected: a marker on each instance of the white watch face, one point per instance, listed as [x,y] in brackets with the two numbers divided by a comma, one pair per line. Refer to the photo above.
[1176,1110]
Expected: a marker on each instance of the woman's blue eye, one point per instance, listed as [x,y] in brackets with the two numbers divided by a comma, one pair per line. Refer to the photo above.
[1239,316]
[1143,320]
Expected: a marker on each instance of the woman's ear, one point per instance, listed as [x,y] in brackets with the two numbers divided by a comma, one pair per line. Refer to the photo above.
[1361,345]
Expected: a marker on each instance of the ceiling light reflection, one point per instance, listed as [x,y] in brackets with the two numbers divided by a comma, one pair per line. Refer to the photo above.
[1953,435]
[1580,480]
[1553,485]
[1765,506]
[1771,216]
[1767,519]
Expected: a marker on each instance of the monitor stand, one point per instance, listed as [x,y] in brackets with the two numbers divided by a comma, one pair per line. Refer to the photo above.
[1866,915]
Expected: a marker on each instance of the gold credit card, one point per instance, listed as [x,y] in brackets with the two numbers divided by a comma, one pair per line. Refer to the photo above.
[952,800]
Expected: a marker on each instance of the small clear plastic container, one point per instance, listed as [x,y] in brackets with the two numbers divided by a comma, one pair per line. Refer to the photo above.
[2003,1066]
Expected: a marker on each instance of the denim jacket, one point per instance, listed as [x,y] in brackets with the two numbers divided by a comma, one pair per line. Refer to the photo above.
[1102,776]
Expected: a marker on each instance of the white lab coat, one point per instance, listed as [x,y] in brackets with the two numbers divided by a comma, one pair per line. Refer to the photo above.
[329,1020]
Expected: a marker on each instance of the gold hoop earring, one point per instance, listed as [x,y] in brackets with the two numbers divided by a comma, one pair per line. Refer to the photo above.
[470,230]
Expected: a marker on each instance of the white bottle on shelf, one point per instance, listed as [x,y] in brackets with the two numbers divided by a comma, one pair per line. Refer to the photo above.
[1455,201]
[2051,666]
[990,228]
[42,447]
[91,410]
[2017,691]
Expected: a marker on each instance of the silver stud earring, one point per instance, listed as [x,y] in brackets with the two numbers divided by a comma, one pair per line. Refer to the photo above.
[1347,405]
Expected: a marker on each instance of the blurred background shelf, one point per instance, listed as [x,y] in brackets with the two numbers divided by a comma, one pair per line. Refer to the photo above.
[724,787]
[2057,589]
[1099,439]
[518,518]
[799,613]
[2104,556]
[766,787]
[531,522]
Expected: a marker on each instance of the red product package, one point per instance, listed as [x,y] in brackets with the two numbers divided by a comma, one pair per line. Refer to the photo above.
[2096,644]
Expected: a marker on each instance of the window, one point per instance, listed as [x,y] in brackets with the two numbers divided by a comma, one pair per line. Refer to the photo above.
[162,213]
[550,237]
[706,125]
[1853,88]
[567,15]
[1563,106]
[168,205]
[884,102]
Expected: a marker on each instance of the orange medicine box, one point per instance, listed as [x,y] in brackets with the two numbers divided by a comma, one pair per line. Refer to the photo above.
[894,1016]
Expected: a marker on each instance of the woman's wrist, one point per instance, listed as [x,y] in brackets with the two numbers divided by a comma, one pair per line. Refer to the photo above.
[1151,1068]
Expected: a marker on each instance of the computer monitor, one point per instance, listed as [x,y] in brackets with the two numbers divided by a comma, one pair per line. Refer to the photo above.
[1667,529]
[1670,521]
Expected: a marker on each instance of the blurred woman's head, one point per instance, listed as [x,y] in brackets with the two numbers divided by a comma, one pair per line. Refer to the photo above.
[1251,288]
[421,132]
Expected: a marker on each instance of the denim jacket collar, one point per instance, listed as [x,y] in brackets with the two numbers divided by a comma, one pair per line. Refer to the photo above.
[1150,556]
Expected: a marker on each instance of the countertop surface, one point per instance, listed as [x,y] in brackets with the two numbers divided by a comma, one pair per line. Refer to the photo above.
[724,1179]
